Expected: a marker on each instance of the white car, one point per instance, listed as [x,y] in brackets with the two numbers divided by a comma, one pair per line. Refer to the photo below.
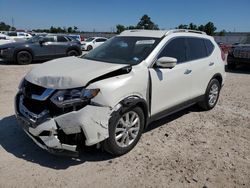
[4,39]
[92,43]
[19,36]
[110,95]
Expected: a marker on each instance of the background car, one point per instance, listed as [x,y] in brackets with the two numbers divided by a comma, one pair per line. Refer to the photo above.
[239,54]
[19,36]
[93,42]
[40,48]
[4,39]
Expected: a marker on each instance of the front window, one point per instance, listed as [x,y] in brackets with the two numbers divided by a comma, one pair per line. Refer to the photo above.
[124,50]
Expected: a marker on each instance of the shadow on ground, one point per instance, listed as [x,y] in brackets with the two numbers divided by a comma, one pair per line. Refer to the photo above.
[15,141]
[240,69]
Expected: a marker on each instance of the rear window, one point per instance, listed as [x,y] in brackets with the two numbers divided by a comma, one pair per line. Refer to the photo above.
[196,49]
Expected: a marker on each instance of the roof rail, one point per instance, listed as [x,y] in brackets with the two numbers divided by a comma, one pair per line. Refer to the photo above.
[185,30]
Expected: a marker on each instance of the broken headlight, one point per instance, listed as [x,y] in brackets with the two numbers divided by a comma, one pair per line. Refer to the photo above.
[73,97]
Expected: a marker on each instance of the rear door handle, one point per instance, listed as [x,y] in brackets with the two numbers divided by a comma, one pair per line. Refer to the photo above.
[187,71]
[211,63]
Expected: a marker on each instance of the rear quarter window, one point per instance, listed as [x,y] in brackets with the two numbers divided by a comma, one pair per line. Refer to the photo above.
[209,46]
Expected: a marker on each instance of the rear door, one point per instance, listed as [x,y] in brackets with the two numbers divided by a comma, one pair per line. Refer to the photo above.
[46,49]
[202,64]
[62,44]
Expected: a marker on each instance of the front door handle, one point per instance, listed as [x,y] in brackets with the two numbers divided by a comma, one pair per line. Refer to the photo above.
[187,71]
[211,63]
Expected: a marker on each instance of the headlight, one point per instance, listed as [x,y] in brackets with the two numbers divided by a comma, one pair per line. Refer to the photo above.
[73,97]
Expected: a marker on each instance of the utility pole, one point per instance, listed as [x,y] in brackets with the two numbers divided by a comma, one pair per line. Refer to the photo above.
[12,23]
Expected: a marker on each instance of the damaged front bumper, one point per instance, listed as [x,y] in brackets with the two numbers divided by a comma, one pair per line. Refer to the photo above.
[52,133]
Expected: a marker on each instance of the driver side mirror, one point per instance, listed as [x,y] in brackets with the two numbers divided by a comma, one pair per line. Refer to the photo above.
[166,62]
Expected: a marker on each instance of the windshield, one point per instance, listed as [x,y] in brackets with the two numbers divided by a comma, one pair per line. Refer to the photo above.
[89,39]
[124,50]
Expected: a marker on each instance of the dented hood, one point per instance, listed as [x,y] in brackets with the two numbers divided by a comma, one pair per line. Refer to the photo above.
[69,72]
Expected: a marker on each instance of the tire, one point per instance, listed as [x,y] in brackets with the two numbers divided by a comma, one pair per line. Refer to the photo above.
[89,48]
[120,139]
[24,58]
[211,96]
[72,53]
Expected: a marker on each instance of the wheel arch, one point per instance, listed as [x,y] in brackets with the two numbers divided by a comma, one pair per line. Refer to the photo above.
[219,77]
[133,101]
[23,49]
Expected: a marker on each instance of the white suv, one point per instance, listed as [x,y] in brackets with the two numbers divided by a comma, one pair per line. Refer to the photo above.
[109,96]
[92,43]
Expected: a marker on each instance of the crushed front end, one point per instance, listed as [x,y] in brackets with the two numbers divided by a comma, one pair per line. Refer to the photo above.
[61,121]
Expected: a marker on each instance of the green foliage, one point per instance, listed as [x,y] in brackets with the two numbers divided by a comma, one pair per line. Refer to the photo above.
[6,27]
[120,28]
[222,33]
[209,28]
[146,23]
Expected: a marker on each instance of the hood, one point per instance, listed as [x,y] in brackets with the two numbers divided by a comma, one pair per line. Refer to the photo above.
[69,72]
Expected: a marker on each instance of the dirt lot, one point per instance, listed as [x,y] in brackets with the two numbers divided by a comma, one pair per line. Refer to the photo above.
[188,149]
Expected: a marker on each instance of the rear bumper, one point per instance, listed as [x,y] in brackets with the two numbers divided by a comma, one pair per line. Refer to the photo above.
[92,121]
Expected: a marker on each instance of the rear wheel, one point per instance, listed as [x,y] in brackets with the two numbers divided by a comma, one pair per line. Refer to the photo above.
[72,53]
[24,57]
[211,96]
[125,131]
[89,48]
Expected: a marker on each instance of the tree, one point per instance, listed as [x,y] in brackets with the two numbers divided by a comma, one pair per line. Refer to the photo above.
[146,23]
[201,28]
[182,26]
[120,28]
[75,29]
[192,26]
[70,30]
[209,28]
[6,27]
[222,32]
[131,27]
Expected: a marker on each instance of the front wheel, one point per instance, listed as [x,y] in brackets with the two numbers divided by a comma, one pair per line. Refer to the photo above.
[24,58]
[125,131]
[211,96]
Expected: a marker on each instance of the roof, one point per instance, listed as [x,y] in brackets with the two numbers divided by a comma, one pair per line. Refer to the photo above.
[157,33]
[144,33]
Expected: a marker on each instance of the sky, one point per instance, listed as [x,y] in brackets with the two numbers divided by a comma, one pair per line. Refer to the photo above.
[231,15]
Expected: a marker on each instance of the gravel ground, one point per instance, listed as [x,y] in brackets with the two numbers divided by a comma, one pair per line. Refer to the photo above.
[188,149]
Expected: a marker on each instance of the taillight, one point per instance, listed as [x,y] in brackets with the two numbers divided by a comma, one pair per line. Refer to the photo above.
[82,38]
[223,56]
